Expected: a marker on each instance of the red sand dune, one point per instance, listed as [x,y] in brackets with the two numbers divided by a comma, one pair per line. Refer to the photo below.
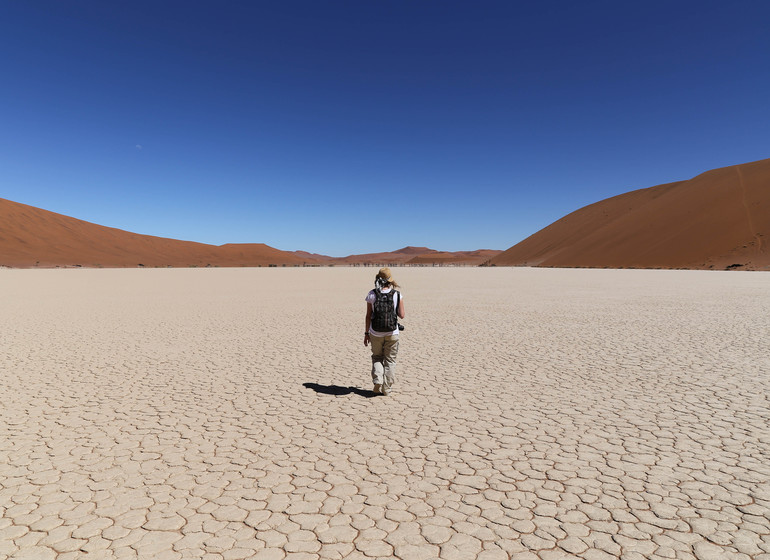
[422,256]
[392,257]
[718,220]
[32,237]
[459,257]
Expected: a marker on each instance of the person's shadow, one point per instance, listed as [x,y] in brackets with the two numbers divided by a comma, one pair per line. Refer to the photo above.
[337,390]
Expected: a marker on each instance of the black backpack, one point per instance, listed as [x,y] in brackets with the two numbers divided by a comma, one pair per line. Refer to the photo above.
[384,318]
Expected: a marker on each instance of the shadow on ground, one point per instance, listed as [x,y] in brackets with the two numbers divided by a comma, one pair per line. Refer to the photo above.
[338,390]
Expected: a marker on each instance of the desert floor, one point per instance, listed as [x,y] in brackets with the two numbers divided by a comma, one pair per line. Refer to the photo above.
[226,413]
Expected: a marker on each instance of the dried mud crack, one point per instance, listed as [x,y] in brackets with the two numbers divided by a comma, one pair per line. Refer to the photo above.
[537,414]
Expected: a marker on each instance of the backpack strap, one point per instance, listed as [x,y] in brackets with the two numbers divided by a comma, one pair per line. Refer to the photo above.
[398,301]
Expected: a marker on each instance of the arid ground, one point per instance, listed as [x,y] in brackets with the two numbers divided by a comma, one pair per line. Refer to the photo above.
[537,413]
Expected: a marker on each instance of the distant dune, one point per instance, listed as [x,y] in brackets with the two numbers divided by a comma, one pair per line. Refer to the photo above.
[717,220]
[460,257]
[423,256]
[31,237]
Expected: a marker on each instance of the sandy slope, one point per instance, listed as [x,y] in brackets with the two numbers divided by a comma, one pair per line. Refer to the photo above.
[422,256]
[717,219]
[460,257]
[537,413]
[32,237]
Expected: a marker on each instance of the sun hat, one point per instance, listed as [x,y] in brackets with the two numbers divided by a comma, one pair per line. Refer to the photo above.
[384,273]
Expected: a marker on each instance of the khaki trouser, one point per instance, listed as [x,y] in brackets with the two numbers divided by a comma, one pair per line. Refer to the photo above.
[384,350]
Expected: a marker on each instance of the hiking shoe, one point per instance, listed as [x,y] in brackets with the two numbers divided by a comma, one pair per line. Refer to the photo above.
[378,388]
[386,392]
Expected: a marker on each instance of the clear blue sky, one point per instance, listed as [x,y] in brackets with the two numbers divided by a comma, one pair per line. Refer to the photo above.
[345,127]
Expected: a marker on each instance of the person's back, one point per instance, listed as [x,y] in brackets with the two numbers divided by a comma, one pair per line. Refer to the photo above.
[384,305]
[384,308]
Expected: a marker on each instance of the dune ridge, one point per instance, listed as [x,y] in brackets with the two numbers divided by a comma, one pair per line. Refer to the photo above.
[719,219]
[422,255]
[33,237]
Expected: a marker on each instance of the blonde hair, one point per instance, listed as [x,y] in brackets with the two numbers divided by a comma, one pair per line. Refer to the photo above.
[385,276]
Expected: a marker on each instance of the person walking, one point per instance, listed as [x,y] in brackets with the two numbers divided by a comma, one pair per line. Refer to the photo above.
[384,306]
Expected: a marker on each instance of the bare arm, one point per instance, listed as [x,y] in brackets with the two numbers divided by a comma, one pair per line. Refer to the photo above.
[400,310]
[368,323]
